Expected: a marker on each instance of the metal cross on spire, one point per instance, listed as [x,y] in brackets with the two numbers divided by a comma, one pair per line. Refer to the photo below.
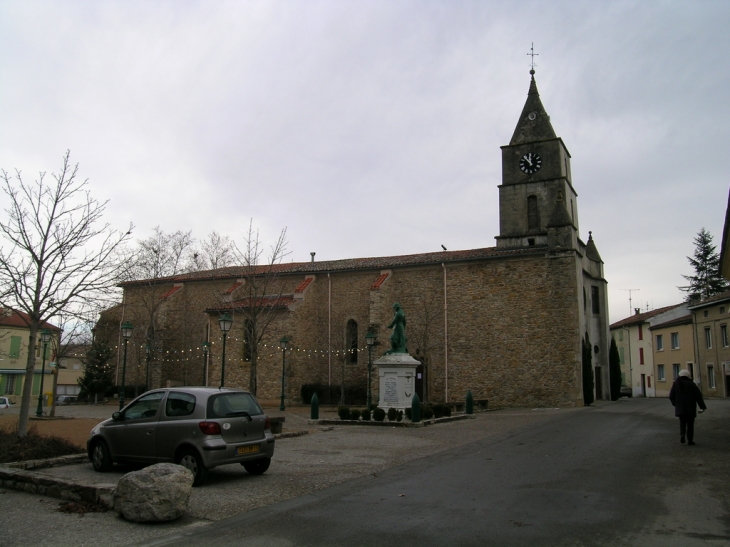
[532,54]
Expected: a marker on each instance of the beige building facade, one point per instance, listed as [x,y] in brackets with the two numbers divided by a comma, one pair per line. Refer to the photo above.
[711,319]
[674,350]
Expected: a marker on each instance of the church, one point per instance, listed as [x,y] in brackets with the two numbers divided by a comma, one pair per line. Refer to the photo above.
[505,322]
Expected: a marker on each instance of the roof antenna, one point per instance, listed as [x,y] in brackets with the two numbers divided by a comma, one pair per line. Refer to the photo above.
[532,54]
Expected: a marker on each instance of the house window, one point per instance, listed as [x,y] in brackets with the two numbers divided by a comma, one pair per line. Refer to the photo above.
[675,340]
[621,354]
[595,302]
[723,333]
[706,313]
[675,371]
[14,347]
[533,216]
[708,338]
[641,331]
[659,342]
[9,384]
[711,376]
[641,356]
[722,309]
[660,373]
[621,335]
[352,341]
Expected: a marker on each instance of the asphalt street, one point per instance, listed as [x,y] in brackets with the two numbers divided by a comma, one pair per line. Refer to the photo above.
[613,474]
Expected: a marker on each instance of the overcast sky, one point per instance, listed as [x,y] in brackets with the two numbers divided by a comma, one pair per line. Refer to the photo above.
[372,128]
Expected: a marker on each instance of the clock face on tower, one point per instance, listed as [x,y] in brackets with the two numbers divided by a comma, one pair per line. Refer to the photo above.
[530,163]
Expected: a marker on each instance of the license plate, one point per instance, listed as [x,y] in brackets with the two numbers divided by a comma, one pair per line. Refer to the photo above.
[247,449]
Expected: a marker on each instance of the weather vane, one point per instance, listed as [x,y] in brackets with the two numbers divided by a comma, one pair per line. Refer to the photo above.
[533,55]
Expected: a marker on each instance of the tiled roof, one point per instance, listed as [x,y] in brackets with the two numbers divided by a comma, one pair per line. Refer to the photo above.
[713,299]
[642,317]
[346,264]
[684,320]
[303,285]
[379,281]
[172,291]
[234,287]
[22,320]
[261,302]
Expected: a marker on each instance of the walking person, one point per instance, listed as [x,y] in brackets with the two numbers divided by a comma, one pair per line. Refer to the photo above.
[685,396]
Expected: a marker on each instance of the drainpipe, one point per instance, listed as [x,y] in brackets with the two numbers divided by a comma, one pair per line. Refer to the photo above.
[446,341]
[119,335]
[329,331]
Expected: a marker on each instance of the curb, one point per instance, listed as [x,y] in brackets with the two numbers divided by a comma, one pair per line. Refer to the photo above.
[423,423]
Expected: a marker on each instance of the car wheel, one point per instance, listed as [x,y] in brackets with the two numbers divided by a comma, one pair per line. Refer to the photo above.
[191,460]
[257,467]
[100,457]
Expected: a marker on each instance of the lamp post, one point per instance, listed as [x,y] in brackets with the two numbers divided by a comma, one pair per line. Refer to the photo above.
[225,322]
[282,344]
[205,346]
[147,357]
[370,339]
[45,338]
[126,333]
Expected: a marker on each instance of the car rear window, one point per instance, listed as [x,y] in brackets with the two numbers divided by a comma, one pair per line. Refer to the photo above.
[231,404]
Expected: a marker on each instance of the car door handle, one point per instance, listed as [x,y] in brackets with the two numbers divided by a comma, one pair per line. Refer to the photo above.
[150,431]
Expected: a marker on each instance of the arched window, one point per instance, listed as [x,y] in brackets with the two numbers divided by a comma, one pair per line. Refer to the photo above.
[247,337]
[533,216]
[351,341]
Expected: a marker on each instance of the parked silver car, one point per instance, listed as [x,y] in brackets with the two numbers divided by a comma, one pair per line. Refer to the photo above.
[197,427]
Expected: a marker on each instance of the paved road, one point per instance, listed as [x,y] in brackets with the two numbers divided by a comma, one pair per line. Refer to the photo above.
[610,475]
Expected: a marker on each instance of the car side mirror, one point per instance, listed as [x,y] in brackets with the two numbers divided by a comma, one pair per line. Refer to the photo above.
[117,416]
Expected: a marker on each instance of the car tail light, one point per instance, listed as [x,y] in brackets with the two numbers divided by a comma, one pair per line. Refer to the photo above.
[267,423]
[210,428]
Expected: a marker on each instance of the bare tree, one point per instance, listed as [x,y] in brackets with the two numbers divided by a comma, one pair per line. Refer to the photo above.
[215,252]
[55,255]
[425,316]
[262,292]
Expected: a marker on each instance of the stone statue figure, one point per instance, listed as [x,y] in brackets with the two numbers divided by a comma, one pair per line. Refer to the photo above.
[398,338]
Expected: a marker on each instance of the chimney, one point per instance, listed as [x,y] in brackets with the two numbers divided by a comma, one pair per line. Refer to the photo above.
[312,253]
[637,311]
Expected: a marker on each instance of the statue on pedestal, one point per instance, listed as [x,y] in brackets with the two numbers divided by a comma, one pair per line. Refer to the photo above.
[398,338]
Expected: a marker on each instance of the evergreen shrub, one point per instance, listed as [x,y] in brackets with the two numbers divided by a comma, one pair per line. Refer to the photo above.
[355,414]
[343,412]
[366,414]
[378,414]
[391,414]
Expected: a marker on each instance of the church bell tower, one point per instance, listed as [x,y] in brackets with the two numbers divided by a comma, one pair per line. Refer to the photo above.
[536,195]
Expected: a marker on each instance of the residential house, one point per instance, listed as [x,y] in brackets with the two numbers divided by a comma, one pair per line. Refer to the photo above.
[674,350]
[14,332]
[712,354]
[636,347]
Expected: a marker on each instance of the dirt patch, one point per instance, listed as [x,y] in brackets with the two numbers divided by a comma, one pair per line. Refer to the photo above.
[80,507]
[45,439]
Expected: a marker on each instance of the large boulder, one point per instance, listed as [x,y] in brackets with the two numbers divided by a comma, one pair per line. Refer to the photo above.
[156,493]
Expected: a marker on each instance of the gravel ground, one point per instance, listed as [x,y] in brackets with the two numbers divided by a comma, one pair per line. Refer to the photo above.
[324,457]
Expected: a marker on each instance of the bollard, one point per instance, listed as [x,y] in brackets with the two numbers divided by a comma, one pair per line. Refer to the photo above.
[315,407]
[415,408]
[469,403]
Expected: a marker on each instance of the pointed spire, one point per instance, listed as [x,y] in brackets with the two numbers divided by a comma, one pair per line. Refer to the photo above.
[560,216]
[534,124]
[591,249]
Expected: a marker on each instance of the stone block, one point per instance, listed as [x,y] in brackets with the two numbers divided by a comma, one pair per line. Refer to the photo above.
[156,493]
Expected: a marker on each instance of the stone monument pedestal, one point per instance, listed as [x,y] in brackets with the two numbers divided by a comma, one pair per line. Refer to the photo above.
[397,375]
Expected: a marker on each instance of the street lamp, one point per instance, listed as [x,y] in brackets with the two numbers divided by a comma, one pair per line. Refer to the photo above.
[45,338]
[370,339]
[282,344]
[126,333]
[225,323]
[205,346]
[148,356]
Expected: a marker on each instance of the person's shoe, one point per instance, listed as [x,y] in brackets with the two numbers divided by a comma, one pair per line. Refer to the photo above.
[691,443]
[681,439]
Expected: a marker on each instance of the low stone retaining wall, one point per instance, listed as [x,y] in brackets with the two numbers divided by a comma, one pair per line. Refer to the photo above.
[404,423]
[56,487]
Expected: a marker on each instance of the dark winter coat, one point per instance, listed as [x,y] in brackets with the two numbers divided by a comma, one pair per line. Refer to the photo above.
[685,396]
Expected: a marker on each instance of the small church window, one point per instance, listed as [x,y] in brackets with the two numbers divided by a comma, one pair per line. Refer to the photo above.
[352,341]
[533,216]
[595,300]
